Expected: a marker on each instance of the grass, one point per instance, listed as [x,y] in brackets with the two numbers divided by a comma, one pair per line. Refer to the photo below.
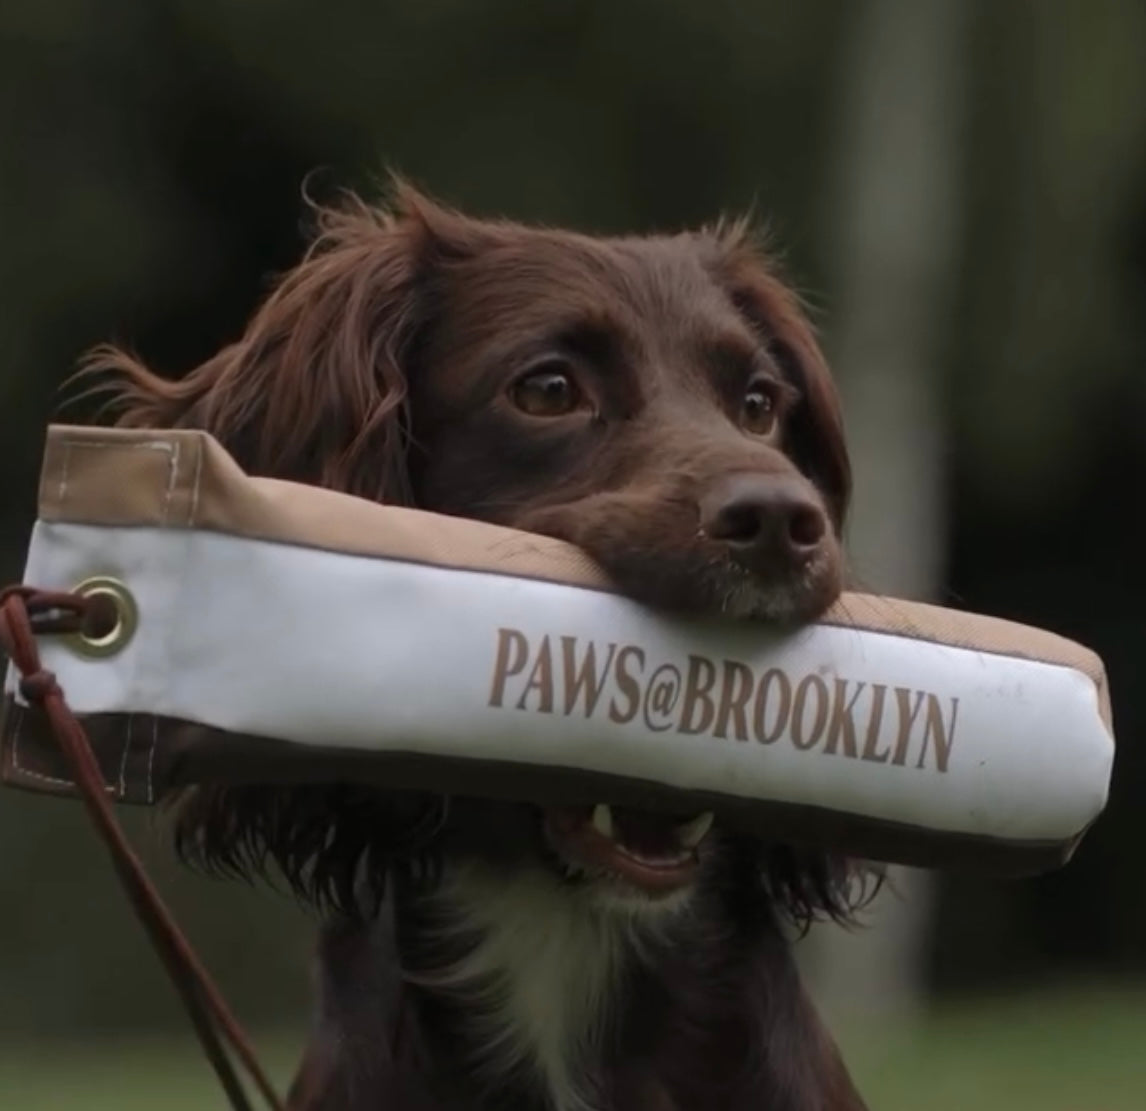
[1063,1051]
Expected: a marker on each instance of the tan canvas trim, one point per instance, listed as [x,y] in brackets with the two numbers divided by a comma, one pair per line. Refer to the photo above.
[978,632]
[184,479]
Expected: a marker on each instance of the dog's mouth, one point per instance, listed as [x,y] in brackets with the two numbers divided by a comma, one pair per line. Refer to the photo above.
[656,854]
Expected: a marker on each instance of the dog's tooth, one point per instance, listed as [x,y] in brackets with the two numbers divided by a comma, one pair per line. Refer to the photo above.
[603,819]
[692,833]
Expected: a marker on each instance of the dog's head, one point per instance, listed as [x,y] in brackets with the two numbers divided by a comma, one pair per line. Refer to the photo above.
[659,401]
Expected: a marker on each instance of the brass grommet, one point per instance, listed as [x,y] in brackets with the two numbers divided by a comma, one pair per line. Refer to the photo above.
[110,622]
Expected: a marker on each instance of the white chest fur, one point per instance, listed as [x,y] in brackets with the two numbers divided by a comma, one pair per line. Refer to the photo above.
[540,976]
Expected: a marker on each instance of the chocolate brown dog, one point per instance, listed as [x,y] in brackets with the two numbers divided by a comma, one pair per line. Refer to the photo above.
[662,403]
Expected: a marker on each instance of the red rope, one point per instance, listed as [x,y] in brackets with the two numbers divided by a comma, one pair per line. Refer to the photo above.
[23,612]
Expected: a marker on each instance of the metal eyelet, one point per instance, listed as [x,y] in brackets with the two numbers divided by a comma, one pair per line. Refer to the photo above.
[111,622]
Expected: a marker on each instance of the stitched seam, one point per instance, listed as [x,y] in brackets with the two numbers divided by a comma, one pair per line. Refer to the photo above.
[123,758]
[20,712]
[172,474]
[151,759]
[164,446]
[62,492]
[196,485]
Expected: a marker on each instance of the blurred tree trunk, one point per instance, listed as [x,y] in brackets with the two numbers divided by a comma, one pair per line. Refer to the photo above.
[894,210]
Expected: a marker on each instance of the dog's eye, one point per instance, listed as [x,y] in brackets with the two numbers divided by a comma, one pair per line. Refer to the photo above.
[547,391]
[760,407]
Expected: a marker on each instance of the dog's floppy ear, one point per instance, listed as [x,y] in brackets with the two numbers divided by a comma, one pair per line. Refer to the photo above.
[817,442]
[315,389]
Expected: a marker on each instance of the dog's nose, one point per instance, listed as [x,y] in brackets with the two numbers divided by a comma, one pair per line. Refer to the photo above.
[764,519]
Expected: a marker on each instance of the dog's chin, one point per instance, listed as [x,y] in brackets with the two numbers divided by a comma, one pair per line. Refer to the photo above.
[624,860]
[720,588]
[790,600]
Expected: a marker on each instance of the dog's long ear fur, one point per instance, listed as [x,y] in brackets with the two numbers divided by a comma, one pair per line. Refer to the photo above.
[314,390]
[818,444]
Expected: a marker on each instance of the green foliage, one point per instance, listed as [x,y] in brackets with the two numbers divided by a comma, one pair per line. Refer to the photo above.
[1067,1051]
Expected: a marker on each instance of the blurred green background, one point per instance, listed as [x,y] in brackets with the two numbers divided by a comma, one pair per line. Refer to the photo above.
[959,188]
